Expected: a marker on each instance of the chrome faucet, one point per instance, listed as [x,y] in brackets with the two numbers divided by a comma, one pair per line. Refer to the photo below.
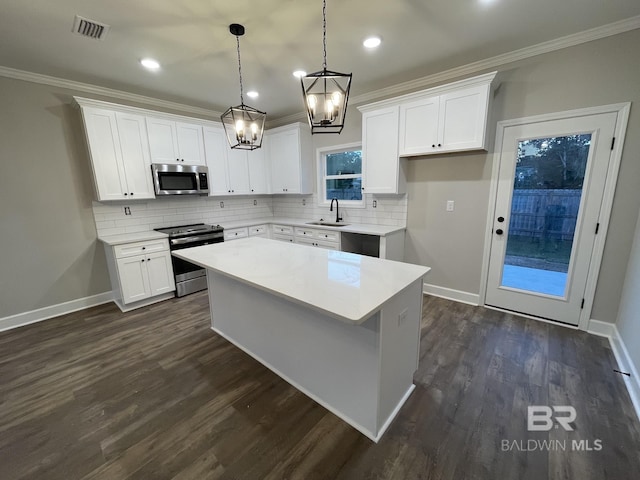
[338,217]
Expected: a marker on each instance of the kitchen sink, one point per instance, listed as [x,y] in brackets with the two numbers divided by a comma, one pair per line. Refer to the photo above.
[329,224]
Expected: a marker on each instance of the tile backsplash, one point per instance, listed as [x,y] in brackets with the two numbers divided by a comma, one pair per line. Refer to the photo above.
[389,210]
[166,212]
[110,218]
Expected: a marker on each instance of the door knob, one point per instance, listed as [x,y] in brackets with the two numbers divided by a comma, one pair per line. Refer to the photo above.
[499,231]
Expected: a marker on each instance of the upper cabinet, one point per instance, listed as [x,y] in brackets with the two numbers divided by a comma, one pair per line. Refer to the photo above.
[124,141]
[119,154]
[259,171]
[452,122]
[383,172]
[215,148]
[233,171]
[175,142]
[449,118]
[291,158]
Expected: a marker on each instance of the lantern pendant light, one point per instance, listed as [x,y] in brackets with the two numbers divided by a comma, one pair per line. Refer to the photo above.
[326,93]
[243,125]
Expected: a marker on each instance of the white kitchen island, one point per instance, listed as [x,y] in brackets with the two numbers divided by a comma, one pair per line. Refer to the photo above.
[342,328]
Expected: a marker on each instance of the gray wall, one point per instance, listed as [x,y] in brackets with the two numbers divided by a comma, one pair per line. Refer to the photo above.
[629,316]
[49,253]
[596,73]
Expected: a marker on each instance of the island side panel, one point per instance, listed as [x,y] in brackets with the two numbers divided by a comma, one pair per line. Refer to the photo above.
[400,348]
[335,363]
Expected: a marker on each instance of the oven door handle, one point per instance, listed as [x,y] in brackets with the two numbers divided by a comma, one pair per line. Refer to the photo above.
[195,239]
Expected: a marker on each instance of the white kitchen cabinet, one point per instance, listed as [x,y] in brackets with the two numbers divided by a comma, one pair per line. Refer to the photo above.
[448,118]
[259,231]
[283,233]
[236,233]
[326,239]
[119,154]
[141,272]
[259,171]
[215,147]
[145,276]
[175,142]
[238,171]
[291,159]
[452,122]
[233,171]
[383,171]
[419,126]
[134,279]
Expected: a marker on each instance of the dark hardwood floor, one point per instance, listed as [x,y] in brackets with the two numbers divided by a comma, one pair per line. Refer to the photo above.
[155,394]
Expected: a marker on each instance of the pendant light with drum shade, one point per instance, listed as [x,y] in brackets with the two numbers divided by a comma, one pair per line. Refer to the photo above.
[243,125]
[326,93]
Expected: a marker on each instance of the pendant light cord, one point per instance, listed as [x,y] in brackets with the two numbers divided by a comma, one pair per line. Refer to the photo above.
[324,33]
[240,70]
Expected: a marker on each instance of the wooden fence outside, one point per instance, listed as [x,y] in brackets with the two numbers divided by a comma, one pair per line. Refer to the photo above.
[544,213]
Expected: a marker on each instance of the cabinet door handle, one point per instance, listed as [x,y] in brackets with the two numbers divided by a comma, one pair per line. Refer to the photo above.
[499,231]
[132,194]
[143,259]
[144,248]
[433,145]
[125,194]
[439,144]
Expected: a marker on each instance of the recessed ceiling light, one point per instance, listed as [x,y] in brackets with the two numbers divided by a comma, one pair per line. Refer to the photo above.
[299,73]
[150,64]
[372,42]
[252,94]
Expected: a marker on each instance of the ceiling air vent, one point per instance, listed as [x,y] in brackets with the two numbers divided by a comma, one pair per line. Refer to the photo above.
[90,28]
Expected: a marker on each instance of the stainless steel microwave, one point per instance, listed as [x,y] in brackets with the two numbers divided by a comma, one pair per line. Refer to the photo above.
[171,179]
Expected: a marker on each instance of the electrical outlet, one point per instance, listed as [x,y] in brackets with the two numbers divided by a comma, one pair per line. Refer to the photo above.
[402,318]
[375,204]
[450,205]
[304,202]
[255,202]
[127,211]
[221,204]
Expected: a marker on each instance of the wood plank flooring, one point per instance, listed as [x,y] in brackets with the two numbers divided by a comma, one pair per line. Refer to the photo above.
[155,394]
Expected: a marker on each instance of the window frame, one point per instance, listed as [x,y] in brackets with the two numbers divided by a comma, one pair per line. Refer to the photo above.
[321,163]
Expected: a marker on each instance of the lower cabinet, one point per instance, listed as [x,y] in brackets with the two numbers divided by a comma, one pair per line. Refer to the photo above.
[235,233]
[283,233]
[259,231]
[141,273]
[326,239]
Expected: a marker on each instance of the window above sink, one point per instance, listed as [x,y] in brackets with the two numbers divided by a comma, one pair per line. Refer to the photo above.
[340,175]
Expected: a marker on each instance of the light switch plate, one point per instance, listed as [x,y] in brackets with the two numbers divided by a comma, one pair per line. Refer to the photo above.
[450,205]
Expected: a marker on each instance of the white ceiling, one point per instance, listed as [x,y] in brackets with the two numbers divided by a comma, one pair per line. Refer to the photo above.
[191,40]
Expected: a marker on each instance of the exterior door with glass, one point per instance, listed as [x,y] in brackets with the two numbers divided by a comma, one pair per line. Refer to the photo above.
[551,184]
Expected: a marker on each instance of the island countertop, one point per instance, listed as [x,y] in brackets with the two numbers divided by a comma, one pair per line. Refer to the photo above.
[347,286]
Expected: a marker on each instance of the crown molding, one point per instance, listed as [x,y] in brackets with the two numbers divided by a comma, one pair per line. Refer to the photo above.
[107,92]
[603,31]
[596,33]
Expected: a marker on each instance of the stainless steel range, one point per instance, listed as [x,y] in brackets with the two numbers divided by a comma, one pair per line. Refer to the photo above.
[190,278]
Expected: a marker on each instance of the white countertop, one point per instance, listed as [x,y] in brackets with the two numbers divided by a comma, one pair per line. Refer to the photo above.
[344,285]
[368,229]
[132,237]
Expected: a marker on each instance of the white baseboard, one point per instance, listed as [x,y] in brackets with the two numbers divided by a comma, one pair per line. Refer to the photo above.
[451,294]
[52,311]
[620,352]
